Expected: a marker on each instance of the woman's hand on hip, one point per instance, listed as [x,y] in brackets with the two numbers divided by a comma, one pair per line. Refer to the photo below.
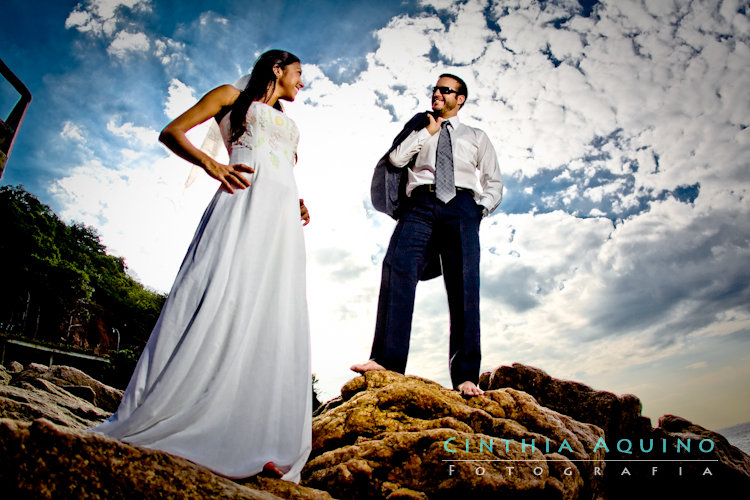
[230,176]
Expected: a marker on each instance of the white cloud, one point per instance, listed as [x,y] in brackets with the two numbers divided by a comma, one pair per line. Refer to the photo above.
[144,135]
[207,18]
[80,20]
[466,39]
[169,51]
[106,9]
[73,132]
[117,21]
[180,97]
[126,44]
[99,17]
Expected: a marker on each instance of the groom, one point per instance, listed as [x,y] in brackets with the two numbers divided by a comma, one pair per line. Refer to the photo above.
[453,181]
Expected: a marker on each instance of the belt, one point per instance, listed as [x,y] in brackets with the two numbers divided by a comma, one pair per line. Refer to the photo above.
[430,188]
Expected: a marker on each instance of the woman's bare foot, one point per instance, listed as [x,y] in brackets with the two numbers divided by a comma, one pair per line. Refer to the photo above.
[272,470]
[367,367]
[469,389]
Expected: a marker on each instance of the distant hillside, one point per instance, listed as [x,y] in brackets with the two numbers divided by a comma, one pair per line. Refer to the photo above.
[61,287]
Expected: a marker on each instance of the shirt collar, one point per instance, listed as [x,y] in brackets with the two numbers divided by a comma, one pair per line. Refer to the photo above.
[454,121]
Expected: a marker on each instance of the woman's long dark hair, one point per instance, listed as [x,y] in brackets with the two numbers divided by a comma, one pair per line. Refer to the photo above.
[262,81]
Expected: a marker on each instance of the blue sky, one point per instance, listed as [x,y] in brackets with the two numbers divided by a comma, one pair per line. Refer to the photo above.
[619,256]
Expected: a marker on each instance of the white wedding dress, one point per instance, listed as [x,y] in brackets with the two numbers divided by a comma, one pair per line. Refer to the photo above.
[225,379]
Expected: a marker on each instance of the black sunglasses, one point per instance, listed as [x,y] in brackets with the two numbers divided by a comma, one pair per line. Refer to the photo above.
[444,90]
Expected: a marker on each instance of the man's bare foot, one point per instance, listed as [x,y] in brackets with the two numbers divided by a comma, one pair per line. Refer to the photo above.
[469,389]
[367,367]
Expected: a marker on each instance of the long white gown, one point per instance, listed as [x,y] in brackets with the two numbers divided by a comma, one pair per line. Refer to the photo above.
[225,379]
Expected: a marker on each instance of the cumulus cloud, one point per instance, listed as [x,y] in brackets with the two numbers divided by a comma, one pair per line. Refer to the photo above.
[179,98]
[121,24]
[146,136]
[100,17]
[126,44]
[169,51]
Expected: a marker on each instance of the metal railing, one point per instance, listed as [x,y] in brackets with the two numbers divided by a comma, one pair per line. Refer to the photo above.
[9,126]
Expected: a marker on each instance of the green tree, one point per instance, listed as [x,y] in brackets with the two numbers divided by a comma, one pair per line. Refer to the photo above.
[60,285]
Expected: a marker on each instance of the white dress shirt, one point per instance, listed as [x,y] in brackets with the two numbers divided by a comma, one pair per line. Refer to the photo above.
[475,164]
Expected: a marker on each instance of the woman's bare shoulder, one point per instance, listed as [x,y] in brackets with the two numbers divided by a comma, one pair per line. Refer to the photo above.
[225,95]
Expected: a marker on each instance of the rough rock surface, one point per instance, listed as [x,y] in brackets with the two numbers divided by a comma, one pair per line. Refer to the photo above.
[39,392]
[387,436]
[73,380]
[5,375]
[42,459]
[284,489]
[398,436]
[618,416]
[643,461]
[15,367]
[725,452]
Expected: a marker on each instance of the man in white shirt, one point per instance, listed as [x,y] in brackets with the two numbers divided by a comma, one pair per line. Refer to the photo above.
[453,181]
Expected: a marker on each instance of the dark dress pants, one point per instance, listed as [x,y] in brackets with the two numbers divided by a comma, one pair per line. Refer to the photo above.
[452,229]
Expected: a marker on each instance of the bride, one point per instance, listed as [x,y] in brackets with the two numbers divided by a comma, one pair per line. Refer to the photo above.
[224,379]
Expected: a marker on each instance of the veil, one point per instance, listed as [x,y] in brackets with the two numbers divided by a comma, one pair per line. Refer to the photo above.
[213,143]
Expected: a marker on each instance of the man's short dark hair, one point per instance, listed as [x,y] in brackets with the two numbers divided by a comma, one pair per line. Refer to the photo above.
[462,88]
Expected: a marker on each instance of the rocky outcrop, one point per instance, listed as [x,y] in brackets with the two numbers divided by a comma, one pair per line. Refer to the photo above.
[40,392]
[395,436]
[676,459]
[728,455]
[74,381]
[617,416]
[44,452]
[387,436]
[42,460]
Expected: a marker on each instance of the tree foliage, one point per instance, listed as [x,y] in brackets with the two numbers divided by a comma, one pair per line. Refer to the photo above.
[59,284]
